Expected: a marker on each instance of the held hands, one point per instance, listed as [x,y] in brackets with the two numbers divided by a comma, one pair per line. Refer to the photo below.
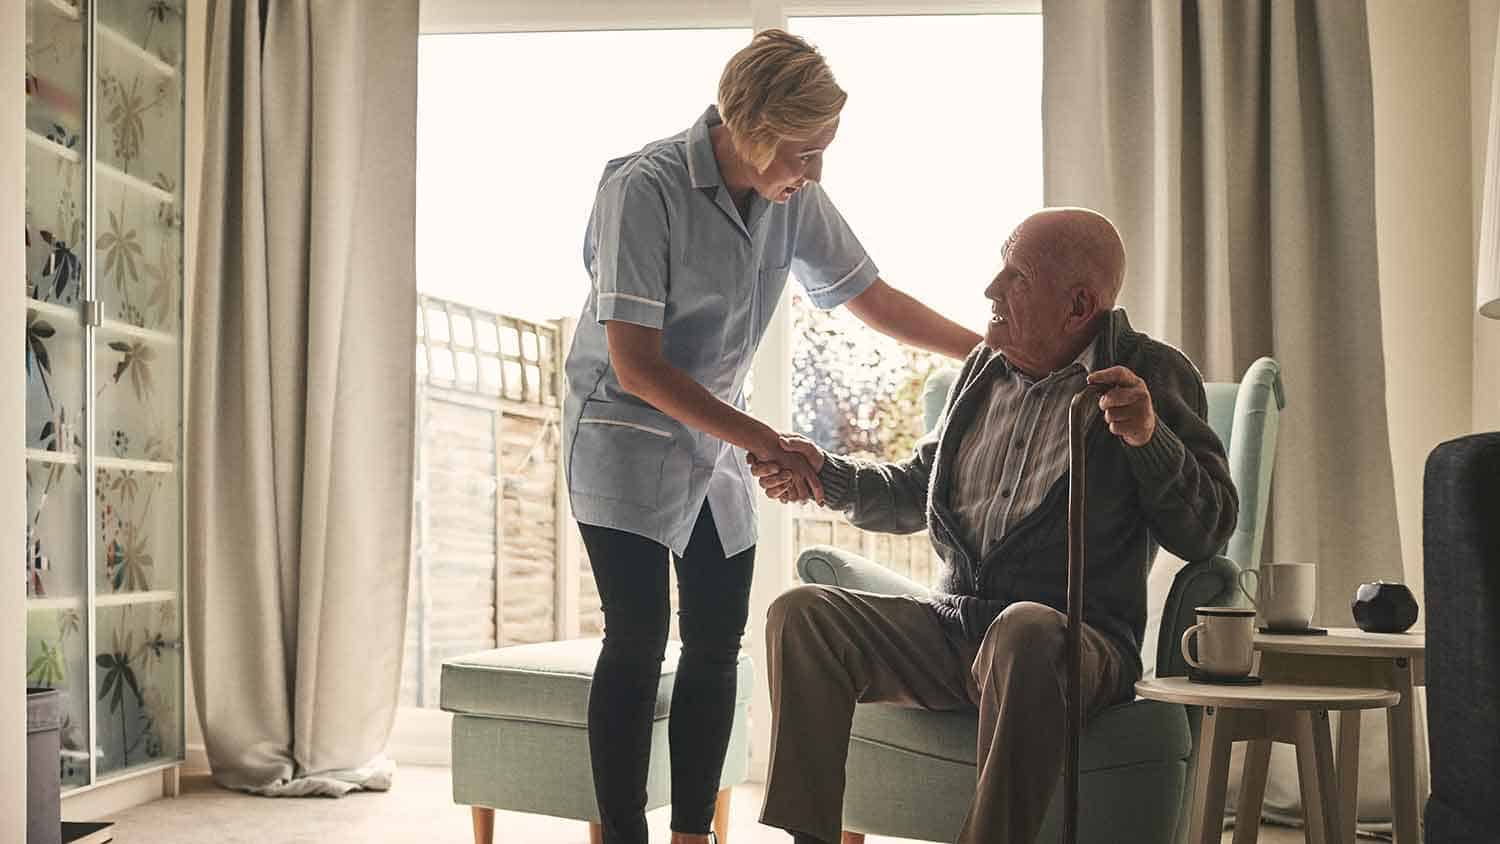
[789,472]
[1127,406]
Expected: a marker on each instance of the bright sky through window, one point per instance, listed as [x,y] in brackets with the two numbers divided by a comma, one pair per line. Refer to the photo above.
[513,131]
[939,150]
[938,153]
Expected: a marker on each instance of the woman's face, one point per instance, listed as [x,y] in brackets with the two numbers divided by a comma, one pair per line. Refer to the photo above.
[796,163]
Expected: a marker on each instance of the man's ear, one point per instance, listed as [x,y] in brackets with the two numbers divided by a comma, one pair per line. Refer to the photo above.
[1083,306]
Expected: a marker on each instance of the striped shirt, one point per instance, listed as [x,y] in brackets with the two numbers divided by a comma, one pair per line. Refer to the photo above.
[1016,452]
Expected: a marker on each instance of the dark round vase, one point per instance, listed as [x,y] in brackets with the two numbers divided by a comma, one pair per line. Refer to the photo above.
[1382,607]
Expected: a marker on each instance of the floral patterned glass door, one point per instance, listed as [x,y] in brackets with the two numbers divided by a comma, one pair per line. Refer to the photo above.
[137,380]
[56,202]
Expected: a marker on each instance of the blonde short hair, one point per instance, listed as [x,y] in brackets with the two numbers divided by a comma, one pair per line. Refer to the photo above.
[777,88]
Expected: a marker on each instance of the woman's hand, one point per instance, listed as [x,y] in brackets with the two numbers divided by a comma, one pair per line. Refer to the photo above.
[782,475]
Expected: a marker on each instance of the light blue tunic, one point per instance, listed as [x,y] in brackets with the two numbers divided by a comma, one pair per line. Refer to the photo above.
[666,248]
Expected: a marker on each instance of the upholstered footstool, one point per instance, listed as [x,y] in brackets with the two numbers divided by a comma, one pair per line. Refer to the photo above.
[520,734]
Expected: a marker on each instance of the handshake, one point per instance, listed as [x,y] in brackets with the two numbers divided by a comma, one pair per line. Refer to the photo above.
[788,470]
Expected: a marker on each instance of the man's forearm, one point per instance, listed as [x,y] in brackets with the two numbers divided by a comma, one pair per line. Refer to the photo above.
[895,314]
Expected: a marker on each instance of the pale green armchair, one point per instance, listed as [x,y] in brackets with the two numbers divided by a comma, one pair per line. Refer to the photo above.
[911,773]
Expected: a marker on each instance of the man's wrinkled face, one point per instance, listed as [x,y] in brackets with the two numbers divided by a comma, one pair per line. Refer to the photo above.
[1028,309]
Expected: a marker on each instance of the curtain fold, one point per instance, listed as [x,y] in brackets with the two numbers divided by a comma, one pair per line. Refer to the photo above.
[301,391]
[1232,142]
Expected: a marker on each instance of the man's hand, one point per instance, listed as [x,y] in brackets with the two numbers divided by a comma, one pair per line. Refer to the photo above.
[1127,406]
[781,477]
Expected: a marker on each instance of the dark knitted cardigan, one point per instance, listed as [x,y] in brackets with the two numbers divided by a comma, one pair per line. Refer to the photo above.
[1174,491]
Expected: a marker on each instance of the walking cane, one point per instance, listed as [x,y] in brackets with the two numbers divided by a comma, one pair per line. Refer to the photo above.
[1077,415]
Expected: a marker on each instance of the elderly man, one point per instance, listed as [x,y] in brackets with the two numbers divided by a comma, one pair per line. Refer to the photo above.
[991,487]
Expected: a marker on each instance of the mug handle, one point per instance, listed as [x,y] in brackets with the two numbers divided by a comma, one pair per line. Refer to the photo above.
[1246,592]
[1186,654]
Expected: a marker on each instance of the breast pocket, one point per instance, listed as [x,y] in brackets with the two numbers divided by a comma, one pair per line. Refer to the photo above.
[621,453]
[768,294]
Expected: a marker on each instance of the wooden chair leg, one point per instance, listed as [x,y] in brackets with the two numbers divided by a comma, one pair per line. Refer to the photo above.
[596,834]
[852,838]
[484,824]
[721,815]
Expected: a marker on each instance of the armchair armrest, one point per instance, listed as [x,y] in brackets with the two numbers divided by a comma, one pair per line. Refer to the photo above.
[1210,582]
[836,567]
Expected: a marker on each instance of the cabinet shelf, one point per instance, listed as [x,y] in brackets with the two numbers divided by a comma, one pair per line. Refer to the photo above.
[146,57]
[117,464]
[71,12]
[109,599]
[135,183]
[72,315]
[66,9]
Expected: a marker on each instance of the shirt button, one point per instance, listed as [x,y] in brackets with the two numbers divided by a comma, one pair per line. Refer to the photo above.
[1020,443]
[1004,493]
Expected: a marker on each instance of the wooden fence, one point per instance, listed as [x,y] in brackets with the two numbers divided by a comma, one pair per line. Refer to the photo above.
[496,558]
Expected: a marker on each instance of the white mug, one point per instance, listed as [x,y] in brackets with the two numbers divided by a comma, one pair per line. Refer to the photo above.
[1287,594]
[1226,641]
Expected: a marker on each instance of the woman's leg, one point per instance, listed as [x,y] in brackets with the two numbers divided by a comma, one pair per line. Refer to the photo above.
[713,603]
[631,573]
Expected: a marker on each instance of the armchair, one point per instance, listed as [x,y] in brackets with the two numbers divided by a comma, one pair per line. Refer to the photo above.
[911,773]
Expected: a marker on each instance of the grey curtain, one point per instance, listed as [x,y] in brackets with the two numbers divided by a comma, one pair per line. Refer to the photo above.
[301,391]
[1232,141]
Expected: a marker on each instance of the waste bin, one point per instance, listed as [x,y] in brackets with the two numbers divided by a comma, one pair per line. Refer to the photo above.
[44,713]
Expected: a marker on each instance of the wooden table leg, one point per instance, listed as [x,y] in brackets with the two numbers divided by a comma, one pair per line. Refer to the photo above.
[1215,738]
[1347,770]
[1320,806]
[1252,791]
[1401,743]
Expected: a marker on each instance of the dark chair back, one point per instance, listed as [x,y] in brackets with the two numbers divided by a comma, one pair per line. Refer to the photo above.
[1461,565]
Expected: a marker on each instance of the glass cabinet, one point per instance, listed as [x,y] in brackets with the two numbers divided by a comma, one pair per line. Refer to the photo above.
[104,281]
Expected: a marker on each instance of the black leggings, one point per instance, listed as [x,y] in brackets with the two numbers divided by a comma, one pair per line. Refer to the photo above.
[714,601]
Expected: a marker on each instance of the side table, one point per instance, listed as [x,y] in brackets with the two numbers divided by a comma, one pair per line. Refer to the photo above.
[1261,714]
[1350,657]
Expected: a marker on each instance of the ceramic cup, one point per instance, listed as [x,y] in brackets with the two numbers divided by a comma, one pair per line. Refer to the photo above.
[1287,594]
[1226,639]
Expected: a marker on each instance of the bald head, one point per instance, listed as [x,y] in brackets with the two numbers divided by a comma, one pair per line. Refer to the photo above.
[1070,247]
[1062,274]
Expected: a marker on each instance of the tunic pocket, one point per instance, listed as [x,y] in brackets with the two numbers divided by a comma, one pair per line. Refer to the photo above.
[620,456]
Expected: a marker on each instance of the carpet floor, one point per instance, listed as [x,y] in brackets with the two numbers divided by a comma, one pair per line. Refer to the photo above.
[419,808]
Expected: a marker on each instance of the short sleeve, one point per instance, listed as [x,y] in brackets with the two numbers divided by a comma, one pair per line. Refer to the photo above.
[631,250]
[827,258]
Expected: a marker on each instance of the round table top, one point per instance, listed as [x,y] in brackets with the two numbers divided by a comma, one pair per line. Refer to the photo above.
[1264,696]
[1345,641]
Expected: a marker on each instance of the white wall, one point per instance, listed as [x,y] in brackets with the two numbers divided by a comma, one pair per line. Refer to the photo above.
[12,425]
[1419,58]
[1483,16]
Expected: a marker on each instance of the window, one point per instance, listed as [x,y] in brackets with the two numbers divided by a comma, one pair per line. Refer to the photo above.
[938,157]
[513,133]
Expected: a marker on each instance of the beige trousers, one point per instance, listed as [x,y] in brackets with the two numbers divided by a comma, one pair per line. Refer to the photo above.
[829,648]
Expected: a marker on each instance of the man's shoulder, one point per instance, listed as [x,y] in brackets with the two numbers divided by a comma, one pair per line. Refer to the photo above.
[1161,364]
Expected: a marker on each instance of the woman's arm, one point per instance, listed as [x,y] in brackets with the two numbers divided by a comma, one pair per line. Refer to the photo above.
[895,314]
[635,354]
